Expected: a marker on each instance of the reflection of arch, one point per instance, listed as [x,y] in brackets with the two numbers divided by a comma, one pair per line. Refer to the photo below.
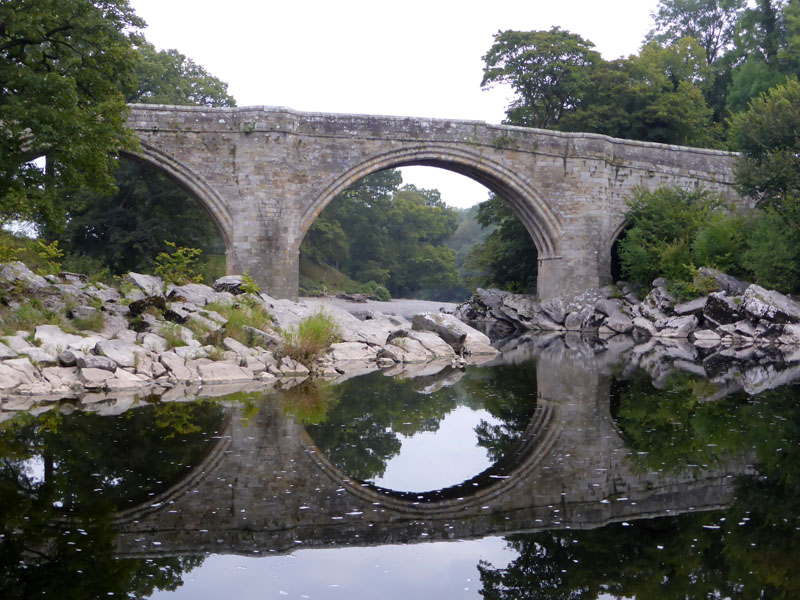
[542,223]
[473,494]
[194,185]
[216,452]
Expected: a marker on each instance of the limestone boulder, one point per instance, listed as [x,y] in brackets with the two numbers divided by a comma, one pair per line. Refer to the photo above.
[94,379]
[692,307]
[678,327]
[222,372]
[176,366]
[16,273]
[619,323]
[122,353]
[720,281]
[721,309]
[150,285]
[91,361]
[555,309]
[435,345]
[45,355]
[194,293]
[264,338]
[291,368]
[6,352]
[153,342]
[407,350]
[123,381]
[349,351]
[55,337]
[759,303]
[230,283]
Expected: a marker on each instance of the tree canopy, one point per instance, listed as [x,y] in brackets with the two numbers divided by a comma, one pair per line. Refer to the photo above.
[63,64]
[395,236]
[549,72]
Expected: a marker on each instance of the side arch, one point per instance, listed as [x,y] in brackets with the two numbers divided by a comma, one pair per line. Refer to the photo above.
[193,184]
[541,222]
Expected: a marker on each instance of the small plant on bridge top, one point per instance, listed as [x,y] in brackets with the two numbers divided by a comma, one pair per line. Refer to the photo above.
[178,266]
[310,338]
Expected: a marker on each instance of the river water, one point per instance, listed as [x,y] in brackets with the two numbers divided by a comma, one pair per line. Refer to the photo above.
[558,471]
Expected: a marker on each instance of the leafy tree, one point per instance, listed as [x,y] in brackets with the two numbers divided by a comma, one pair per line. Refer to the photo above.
[126,231]
[768,136]
[62,65]
[549,72]
[395,236]
[655,96]
[56,528]
[169,77]
[710,22]
[508,259]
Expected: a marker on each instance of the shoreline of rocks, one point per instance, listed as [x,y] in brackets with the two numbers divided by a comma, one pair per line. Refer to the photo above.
[736,314]
[129,352]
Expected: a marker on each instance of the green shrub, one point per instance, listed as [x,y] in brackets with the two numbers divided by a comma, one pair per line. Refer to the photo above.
[178,266]
[51,256]
[248,311]
[30,314]
[722,242]
[663,226]
[374,290]
[249,285]
[93,322]
[171,332]
[310,338]
[773,254]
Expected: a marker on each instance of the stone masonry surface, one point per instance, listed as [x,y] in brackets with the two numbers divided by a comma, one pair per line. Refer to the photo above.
[265,173]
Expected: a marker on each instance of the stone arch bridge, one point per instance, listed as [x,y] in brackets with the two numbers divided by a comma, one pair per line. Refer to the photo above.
[265,173]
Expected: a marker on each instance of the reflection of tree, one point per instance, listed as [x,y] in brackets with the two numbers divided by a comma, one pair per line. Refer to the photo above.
[509,394]
[360,434]
[310,401]
[676,427]
[62,480]
[658,558]
[750,550]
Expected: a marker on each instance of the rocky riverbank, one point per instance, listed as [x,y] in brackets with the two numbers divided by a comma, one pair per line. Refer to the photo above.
[90,342]
[734,315]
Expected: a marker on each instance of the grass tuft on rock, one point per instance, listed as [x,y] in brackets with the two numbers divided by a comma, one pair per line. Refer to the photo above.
[247,312]
[310,338]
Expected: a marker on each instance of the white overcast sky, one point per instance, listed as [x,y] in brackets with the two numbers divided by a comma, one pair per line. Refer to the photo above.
[410,58]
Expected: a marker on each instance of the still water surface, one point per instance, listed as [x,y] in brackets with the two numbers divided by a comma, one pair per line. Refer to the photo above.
[543,479]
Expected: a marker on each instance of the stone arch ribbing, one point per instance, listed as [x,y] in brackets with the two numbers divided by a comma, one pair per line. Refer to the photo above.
[542,223]
[194,184]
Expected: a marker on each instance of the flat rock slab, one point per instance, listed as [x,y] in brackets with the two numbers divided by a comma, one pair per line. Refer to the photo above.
[347,351]
[149,284]
[223,372]
[122,353]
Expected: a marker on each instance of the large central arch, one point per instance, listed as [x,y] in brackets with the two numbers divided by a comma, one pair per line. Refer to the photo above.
[541,222]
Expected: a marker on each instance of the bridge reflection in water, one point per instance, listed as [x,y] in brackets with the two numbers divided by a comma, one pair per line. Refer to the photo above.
[264,485]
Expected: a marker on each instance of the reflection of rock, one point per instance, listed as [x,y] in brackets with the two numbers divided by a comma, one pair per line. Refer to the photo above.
[730,368]
[426,383]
